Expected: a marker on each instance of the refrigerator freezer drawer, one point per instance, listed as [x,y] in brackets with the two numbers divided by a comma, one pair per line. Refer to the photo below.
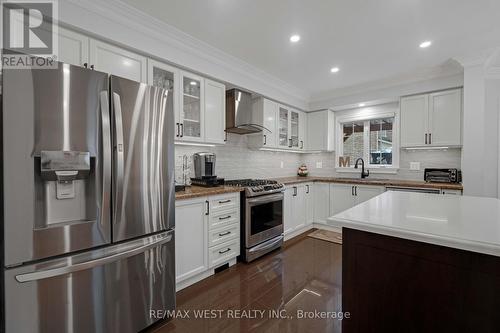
[107,290]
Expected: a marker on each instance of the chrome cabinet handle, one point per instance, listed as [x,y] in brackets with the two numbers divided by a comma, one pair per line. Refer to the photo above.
[289,143]
[425,138]
[85,64]
[178,129]
[119,157]
[355,190]
[221,252]
[106,158]
[154,241]
[225,217]
[182,130]
[92,67]
[208,207]
[224,201]
[265,139]
[301,144]
[295,191]
[224,233]
[430,138]
[307,186]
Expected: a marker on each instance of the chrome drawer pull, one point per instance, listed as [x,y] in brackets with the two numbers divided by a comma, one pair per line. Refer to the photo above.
[225,233]
[224,201]
[221,252]
[225,218]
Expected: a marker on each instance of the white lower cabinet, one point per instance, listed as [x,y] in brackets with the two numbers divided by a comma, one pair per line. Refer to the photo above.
[298,199]
[191,238]
[321,202]
[345,196]
[207,235]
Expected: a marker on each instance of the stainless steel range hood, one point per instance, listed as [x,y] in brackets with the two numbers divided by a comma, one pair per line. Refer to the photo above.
[239,113]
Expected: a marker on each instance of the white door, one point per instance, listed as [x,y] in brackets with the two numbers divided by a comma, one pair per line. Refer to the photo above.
[364,192]
[270,123]
[73,47]
[215,112]
[414,120]
[341,197]
[166,77]
[288,223]
[117,61]
[445,112]
[309,192]
[192,107]
[316,125]
[299,213]
[321,197]
[191,238]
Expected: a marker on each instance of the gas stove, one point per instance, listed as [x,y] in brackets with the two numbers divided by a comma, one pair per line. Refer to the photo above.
[256,187]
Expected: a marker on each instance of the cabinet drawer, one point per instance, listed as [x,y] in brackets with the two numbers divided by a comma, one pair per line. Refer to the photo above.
[223,203]
[222,219]
[224,252]
[221,235]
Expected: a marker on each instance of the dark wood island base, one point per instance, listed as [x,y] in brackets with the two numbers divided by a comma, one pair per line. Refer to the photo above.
[396,285]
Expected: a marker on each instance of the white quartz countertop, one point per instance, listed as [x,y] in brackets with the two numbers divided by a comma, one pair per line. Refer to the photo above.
[462,222]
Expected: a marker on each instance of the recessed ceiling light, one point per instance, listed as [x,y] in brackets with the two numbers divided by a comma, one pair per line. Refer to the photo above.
[425,44]
[361,105]
[294,38]
[193,83]
[334,69]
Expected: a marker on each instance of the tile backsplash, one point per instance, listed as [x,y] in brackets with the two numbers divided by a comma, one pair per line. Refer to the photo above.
[235,160]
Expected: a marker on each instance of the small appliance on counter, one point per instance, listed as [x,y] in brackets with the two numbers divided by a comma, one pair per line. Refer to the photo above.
[442,175]
[204,170]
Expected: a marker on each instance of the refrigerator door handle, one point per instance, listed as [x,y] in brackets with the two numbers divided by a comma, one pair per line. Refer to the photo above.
[106,158]
[143,245]
[119,172]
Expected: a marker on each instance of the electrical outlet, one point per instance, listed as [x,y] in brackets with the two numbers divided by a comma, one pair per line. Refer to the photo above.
[319,165]
[415,166]
[282,164]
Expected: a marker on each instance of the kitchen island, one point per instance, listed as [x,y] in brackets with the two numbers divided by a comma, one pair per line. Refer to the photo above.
[416,262]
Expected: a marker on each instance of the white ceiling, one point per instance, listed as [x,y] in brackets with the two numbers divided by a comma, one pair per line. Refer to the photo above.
[369,40]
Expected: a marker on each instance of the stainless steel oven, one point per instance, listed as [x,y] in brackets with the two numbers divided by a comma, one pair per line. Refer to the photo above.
[264,218]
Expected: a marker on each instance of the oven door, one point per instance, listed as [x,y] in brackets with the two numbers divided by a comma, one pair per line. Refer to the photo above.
[264,218]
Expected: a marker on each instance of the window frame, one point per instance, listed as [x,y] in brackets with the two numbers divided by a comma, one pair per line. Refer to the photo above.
[366,118]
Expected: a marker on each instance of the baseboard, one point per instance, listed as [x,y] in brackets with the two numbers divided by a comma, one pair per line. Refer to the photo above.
[326,227]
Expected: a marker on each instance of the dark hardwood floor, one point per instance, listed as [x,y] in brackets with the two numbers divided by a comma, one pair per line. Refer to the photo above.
[305,275]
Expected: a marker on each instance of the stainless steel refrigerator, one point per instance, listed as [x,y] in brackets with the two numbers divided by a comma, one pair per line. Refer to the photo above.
[88,201]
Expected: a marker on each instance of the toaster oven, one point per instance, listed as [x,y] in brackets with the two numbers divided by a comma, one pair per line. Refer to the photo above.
[443,175]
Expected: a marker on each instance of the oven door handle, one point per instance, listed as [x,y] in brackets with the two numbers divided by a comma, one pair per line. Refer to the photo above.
[265,198]
[267,245]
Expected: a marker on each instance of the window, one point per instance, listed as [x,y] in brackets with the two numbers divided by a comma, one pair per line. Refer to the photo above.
[371,139]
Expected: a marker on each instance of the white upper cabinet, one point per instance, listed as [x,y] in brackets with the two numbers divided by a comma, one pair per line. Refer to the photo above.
[265,114]
[215,112]
[117,61]
[432,119]
[166,77]
[414,119]
[73,47]
[445,118]
[283,127]
[192,107]
[320,131]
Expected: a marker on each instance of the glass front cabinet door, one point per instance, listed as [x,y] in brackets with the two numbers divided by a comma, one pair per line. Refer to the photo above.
[167,77]
[191,110]
[294,129]
[283,133]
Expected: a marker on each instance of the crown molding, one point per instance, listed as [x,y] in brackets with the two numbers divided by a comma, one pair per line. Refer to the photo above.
[450,69]
[124,24]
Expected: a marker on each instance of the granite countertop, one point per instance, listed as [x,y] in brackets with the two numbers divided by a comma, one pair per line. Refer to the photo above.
[197,191]
[370,181]
[462,222]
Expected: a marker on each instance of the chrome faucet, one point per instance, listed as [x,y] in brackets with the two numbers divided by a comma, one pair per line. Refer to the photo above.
[363,173]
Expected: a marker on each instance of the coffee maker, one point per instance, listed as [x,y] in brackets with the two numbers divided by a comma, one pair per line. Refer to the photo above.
[204,170]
